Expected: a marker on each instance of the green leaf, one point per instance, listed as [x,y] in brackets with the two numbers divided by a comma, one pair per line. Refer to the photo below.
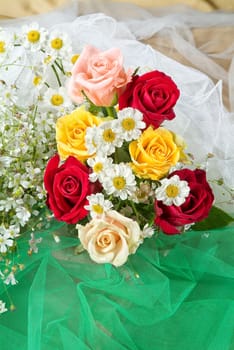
[217,218]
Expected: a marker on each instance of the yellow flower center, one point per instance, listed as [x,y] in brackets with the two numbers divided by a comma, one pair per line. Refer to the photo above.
[33,36]
[36,80]
[119,182]
[128,124]
[97,208]
[108,135]
[57,100]
[1,240]
[172,191]
[56,43]
[2,46]
[98,167]
[74,58]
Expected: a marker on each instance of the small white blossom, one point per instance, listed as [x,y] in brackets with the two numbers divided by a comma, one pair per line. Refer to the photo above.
[98,165]
[172,191]
[23,215]
[33,37]
[33,242]
[119,180]
[131,122]
[2,307]
[98,205]
[108,138]
[6,44]
[56,99]
[10,279]
[90,136]
[5,239]
[59,44]
[147,231]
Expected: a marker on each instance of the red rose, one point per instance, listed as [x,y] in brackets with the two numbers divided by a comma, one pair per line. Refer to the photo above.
[67,187]
[154,94]
[196,207]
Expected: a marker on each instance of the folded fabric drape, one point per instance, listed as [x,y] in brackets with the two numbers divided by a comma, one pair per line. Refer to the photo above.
[174,293]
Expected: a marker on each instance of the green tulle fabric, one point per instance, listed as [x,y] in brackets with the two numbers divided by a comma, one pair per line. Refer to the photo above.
[175,293]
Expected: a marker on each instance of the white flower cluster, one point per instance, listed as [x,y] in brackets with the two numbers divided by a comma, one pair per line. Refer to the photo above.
[118,179]
[35,65]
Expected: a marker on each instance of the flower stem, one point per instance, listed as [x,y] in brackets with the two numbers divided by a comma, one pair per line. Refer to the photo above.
[111,112]
[57,76]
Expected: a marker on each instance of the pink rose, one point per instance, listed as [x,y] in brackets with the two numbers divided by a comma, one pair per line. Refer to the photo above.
[100,75]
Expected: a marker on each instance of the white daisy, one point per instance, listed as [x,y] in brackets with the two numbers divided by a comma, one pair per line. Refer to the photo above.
[119,180]
[90,136]
[172,191]
[98,165]
[98,205]
[6,44]
[56,99]
[69,62]
[131,123]
[59,44]
[33,37]
[108,138]
[2,307]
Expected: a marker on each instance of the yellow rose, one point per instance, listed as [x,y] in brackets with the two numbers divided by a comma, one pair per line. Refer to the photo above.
[111,238]
[154,153]
[70,133]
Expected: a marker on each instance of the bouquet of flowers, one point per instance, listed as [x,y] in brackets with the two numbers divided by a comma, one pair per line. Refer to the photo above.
[119,174]
[94,132]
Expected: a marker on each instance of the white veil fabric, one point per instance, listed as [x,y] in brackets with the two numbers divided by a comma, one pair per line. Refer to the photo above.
[201,116]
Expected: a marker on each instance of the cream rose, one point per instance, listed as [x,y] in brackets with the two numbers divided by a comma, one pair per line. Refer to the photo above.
[111,238]
[100,75]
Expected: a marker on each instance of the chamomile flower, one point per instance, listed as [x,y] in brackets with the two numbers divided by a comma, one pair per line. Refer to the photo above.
[119,180]
[2,307]
[57,99]
[98,205]
[131,123]
[98,165]
[108,138]
[172,191]
[59,44]
[6,44]
[33,37]
[90,136]
[69,63]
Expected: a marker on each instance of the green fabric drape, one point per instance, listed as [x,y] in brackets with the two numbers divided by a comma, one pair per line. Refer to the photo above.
[176,292]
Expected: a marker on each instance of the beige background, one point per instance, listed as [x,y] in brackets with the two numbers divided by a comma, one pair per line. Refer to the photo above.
[21,8]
